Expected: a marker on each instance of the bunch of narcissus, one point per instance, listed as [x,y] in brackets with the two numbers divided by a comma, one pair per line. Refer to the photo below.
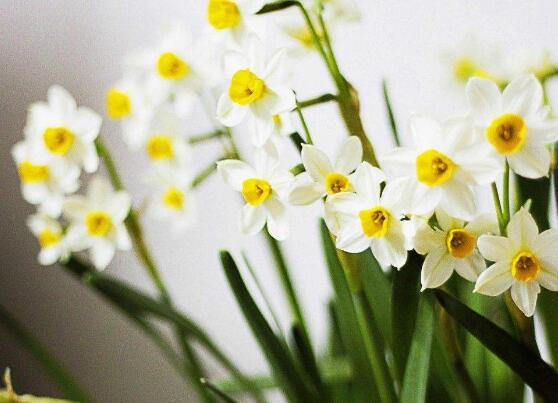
[395,226]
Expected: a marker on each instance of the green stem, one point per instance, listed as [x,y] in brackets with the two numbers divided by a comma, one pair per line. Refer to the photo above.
[498,208]
[506,195]
[317,100]
[304,125]
[391,117]
[206,136]
[218,392]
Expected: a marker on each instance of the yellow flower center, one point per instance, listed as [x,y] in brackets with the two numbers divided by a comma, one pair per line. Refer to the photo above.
[460,243]
[507,133]
[434,168]
[58,140]
[48,237]
[303,36]
[246,87]
[98,223]
[374,221]
[336,183]
[118,104]
[464,68]
[174,198]
[172,67]
[159,147]
[223,14]
[255,191]
[31,173]
[525,266]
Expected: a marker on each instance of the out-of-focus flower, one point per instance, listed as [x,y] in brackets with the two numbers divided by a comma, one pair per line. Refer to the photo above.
[524,260]
[51,238]
[451,247]
[63,130]
[327,178]
[514,125]
[530,61]
[97,222]
[263,188]
[233,20]
[442,168]
[370,218]
[341,11]
[256,91]
[44,181]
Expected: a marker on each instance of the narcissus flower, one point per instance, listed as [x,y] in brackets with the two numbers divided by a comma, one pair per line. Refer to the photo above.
[524,260]
[44,181]
[452,246]
[514,124]
[256,91]
[63,130]
[443,167]
[97,222]
[327,178]
[370,218]
[263,188]
[50,235]
[233,20]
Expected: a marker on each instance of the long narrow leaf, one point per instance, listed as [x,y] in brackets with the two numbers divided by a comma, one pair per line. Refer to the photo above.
[540,376]
[277,6]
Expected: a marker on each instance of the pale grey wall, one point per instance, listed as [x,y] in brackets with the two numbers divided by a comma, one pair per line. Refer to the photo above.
[79,44]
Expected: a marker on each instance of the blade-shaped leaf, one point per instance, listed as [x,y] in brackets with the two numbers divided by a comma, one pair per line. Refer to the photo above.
[540,376]
[277,6]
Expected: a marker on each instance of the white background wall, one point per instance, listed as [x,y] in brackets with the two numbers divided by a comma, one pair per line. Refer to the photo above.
[79,44]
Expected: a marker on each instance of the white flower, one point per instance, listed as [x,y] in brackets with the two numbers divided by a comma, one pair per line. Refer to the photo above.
[44,181]
[233,20]
[97,222]
[514,124]
[173,200]
[63,130]
[341,11]
[256,91]
[327,178]
[451,246]
[51,238]
[368,220]
[263,188]
[524,261]
[443,166]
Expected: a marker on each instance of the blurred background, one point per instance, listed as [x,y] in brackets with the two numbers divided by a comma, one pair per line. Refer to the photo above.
[80,45]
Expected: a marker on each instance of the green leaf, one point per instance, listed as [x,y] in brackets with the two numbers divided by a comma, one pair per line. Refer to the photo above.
[216,391]
[285,370]
[540,376]
[277,6]
[389,111]
[415,380]
[351,334]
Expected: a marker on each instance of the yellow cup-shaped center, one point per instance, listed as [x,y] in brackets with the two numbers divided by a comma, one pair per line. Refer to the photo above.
[525,266]
[98,223]
[118,104]
[48,238]
[223,14]
[374,221]
[173,198]
[58,140]
[507,133]
[434,168]
[32,173]
[159,147]
[461,243]
[255,191]
[336,183]
[172,67]
[246,87]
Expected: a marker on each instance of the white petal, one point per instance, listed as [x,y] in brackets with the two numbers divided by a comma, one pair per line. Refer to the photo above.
[390,250]
[426,132]
[345,203]
[483,224]
[531,161]
[229,113]
[437,268]
[252,219]
[76,238]
[122,238]
[119,206]
[99,192]
[351,239]
[60,100]
[484,97]
[479,164]
[495,280]
[52,205]
[90,158]
[458,200]
[316,163]
[446,221]
[524,95]
[277,224]
[306,193]
[366,182]
[470,267]
[548,278]
[397,196]
[425,199]
[75,207]
[234,61]
[400,161]
[522,229]
[546,244]
[496,248]
[34,193]
[349,156]
[426,239]
[235,172]
[274,70]
[86,123]
[101,253]
[546,132]
[525,294]
[48,256]
[285,102]
[261,128]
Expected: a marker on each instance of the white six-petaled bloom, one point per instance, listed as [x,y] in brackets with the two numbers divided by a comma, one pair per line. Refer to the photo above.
[452,246]
[63,130]
[327,178]
[256,91]
[50,235]
[514,124]
[524,260]
[97,222]
[443,167]
[233,20]
[370,218]
[44,181]
[263,188]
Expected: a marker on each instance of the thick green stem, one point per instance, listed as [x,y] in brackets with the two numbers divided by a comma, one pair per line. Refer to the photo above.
[498,208]
[506,195]
[206,136]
